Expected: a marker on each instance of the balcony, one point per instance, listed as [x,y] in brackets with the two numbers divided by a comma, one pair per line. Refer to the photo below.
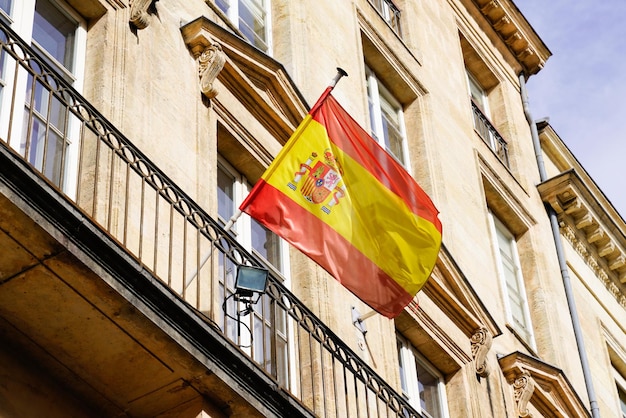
[121,210]
[490,135]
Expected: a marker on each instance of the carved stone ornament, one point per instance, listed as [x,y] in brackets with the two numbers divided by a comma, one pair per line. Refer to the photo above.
[481,343]
[210,63]
[523,388]
[139,15]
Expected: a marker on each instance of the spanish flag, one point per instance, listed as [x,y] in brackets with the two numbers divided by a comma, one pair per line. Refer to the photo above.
[341,199]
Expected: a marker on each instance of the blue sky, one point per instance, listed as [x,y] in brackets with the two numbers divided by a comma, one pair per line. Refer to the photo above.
[582,88]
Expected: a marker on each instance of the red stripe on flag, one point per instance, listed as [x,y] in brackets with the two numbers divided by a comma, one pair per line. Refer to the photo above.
[348,135]
[326,247]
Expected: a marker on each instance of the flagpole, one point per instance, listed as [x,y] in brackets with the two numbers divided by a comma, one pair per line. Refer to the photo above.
[340,73]
[232,220]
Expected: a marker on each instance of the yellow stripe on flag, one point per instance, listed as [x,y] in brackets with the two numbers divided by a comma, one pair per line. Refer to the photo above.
[373,219]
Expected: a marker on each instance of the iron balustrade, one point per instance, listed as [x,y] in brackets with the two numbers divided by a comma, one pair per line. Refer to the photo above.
[490,134]
[86,158]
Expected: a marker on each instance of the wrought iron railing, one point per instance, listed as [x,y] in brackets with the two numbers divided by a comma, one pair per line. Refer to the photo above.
[75,148]
[490,134]
[390,13]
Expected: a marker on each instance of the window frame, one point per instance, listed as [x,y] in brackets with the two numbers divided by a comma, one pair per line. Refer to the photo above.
[478,92]
[22,21]
[242,231]
[375,91]
[6,14]
[243,227]
[524,331]
[232,12]
[620,384]
[390,13]
[408,359]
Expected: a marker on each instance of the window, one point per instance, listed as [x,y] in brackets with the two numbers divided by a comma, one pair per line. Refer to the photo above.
[622,401]
[422,385]
[386,118]
[620,383]
[43,133]
[5,6]
[510,273]
[389,12]
[478,94]
[231,190]
[54,32]
[482,123]
[252,18]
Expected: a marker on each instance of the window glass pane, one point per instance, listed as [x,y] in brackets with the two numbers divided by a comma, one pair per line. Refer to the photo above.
[388,12]
[509,264]
[281,360]
[391,129]
[505,243]
[224,5]
[266,243]
[372,104]
[54,32]
[226,276]
[477,93]
[622,401]
[252,22]
[2,73]
[6,6]
[385,118]
[420,383]
[402,368]
[428,391]
[44,131]
[257,327]
[225,194]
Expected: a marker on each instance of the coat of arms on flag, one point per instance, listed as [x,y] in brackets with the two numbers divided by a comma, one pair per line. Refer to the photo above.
[319,180]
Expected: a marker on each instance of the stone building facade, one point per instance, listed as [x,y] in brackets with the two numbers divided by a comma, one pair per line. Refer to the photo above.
[131,130]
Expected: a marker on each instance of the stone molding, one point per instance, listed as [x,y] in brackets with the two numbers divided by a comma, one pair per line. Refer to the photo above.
[523,388]
[569,233]
[210,63]
[516,33]
[589,229]
[541,387]
[139,15]
[481,342]
[258,81]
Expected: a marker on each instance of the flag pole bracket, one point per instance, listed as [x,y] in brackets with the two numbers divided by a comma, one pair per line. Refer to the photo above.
[358,320]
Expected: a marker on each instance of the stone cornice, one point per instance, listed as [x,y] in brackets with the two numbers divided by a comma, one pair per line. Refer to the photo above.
[258,81]
[584,221]
[92,10]
[558,153]
[516,33]
[541,385]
